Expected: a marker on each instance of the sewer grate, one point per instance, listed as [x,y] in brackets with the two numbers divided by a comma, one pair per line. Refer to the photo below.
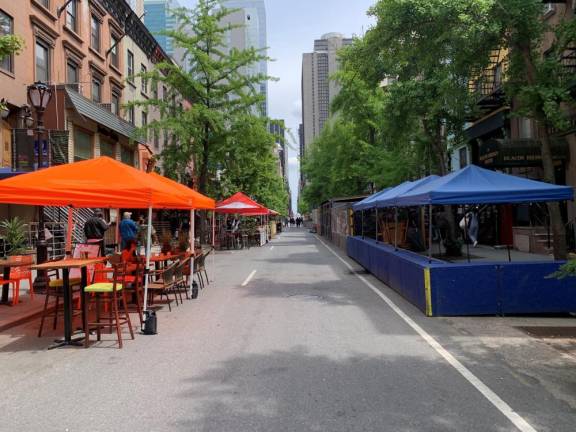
[550,332]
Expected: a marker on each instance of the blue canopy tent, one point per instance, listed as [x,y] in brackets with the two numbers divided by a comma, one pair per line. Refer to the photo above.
[390,198]
[368,202]
[475,185]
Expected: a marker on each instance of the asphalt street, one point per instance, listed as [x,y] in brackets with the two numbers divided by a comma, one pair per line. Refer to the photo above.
[288,337]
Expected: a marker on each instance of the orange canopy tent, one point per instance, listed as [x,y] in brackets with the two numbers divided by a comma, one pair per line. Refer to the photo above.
[200,201]
[239,203]
[101,182]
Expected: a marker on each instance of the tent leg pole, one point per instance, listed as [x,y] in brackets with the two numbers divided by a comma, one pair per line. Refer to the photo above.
[430,233]
[148,251]
[117,230]
[395,228]
[213,245]
[376,225]
[466,236]
[70,228]
[192,249]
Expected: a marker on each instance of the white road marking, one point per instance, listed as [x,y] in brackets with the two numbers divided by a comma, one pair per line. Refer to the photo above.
[249,278]
[272,248]
[492,397]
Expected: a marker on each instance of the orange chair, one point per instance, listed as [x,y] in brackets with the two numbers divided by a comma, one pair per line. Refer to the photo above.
[19,273]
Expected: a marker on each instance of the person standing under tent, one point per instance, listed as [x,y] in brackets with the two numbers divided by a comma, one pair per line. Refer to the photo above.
[95,228]
[128,229]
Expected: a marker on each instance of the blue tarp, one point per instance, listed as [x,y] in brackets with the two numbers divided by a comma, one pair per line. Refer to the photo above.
[475,185]
[368,202]
[390,198]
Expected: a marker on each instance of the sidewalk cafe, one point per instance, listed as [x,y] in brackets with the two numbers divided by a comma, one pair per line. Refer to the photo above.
[103,284]
[405,236]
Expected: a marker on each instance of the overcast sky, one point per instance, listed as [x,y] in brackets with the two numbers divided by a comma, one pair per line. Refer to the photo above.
[292,27]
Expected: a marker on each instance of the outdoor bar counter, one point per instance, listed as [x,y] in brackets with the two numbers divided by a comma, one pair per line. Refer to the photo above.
[439,288]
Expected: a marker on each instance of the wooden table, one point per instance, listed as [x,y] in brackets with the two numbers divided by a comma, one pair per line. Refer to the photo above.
[7,264]
[65,265]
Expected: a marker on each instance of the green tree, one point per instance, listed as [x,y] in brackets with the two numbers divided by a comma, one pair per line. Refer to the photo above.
[214,81]
[537,82]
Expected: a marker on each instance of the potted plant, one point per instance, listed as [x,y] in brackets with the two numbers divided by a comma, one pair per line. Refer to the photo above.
[14,235]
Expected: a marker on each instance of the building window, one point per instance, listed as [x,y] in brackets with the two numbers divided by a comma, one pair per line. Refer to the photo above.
[463,153]
[130,65]
[6,28]
[114,57]
[156,140]
[130,114]
[127,156]
[45,3]
[72,72]
[107,148]
[96,89]
[144,118]
[548,7]
[115,102]
[144,79]
[72,16]
[164,93]
[154,86]
[95,33]
[82,145]
[42,61]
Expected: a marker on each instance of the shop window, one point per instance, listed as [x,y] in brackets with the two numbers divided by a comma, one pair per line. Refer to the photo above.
[107,148]
[82,146]
[127,156]
[6,28]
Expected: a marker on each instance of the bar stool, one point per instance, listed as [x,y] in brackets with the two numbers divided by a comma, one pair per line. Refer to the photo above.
[110,293]
[55,290]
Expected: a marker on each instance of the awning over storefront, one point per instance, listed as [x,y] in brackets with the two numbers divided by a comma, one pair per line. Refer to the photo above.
[88,109]
[486,125]
[475,185]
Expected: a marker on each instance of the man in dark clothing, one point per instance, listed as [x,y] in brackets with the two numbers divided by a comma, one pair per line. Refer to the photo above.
[96,226]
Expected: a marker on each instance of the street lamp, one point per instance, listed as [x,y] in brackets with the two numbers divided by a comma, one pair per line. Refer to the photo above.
[39,95]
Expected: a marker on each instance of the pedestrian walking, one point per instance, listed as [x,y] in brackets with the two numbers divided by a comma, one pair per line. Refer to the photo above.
[128,229]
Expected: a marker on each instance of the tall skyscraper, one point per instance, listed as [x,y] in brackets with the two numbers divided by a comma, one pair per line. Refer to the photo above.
[318,91]
[251,16]
[158,18]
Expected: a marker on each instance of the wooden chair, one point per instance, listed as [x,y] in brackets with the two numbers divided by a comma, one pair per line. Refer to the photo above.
[55,290]
[162,282]
[182,275]
[110,292]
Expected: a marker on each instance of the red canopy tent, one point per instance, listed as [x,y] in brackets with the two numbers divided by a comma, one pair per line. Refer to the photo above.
[241,204]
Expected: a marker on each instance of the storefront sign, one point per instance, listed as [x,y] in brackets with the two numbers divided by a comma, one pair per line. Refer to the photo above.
[518,153]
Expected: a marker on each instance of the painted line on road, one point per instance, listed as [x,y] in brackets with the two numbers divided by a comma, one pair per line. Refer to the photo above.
[492,397]
[249,278]
[272,248]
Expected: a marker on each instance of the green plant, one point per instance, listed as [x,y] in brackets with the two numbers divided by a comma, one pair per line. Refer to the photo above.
[566,270]
[14,235]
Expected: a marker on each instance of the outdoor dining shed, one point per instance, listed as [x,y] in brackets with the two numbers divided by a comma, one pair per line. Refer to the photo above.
[440,288]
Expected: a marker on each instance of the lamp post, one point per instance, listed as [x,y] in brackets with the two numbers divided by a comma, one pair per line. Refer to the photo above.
[39,95]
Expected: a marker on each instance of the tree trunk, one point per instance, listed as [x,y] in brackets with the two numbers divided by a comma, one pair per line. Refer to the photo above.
[203,178]
[556,222]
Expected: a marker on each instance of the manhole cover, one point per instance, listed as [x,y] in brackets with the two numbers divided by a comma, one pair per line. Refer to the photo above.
[550,332]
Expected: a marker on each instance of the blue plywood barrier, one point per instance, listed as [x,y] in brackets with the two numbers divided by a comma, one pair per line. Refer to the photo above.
[466,289]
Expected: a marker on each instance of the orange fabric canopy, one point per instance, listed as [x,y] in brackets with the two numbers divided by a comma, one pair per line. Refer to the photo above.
[239,203]
[101,182]
[197,200]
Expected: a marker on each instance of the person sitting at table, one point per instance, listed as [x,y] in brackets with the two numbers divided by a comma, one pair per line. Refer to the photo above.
[129,251]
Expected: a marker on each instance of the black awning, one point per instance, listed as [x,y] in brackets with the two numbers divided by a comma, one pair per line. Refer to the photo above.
[486,126]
